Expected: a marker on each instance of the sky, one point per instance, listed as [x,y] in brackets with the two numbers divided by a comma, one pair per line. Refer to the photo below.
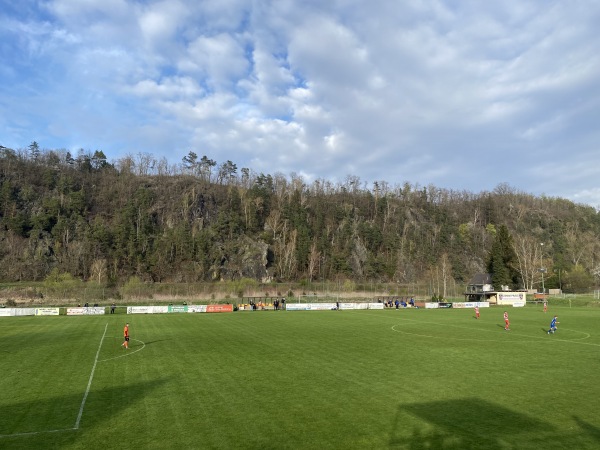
[459,94]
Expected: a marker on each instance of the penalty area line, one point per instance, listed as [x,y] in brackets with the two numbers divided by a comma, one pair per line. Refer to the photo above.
[89,385]
[87,391]
[33,433]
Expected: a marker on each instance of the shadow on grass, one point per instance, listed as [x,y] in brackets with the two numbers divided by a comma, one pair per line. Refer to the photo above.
[591,430]
[477,424]
[55,418]
[463,424]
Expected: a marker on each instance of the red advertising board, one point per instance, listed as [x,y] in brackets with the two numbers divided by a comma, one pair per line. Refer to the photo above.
[219,308]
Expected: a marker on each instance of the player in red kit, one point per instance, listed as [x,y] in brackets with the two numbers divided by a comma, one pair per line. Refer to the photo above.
[477,312]
[506,322]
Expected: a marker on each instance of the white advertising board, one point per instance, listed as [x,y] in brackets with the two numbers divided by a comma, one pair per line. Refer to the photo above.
[89,311]
[331,306]
[322,306]
[47,311]
[471,304]
[361,306]
[347,306]
[139,310]
[196,308]
[297,307]
[510,298]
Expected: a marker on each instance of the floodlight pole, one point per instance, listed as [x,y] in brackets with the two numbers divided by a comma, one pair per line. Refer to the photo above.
[542,267]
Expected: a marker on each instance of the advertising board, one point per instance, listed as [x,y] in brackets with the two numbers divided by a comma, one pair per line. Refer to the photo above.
[47,311]
[219,308]
[510,298]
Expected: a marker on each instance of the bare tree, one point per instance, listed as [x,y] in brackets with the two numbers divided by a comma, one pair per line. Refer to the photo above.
[99,270]
[575,243]
[274,222]
[445,270]
[125,165]
[528,251]
[314,257]
[285,253]
[145,164]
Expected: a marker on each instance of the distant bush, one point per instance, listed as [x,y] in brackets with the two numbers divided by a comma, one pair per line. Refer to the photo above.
[62,284]
[136,288]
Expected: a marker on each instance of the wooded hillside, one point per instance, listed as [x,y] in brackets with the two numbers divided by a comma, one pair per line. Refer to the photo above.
[203,221]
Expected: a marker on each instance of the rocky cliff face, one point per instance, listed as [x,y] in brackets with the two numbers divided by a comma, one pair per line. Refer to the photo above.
[247,258]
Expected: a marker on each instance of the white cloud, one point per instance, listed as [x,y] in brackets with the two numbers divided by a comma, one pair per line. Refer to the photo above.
[169,88]
[424,92]
[220,59]
[160,21]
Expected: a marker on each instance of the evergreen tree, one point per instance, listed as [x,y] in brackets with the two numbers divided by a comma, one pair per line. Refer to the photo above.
[34,150]
[190,162]
[503,261]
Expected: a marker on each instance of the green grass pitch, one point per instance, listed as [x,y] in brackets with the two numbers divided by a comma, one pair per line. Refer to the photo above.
[414,379]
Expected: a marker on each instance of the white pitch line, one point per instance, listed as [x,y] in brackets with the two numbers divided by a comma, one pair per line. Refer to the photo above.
[33,433]
[87,391]
[577,341]
[127,353]
[537,338]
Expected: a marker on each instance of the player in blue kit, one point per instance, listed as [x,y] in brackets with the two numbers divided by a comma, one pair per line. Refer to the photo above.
[553,327]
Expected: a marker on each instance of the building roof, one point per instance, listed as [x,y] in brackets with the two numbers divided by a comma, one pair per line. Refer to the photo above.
[481,279]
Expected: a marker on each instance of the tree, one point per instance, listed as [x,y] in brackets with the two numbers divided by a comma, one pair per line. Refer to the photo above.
[527,251]
[313,261]
[69,160]
[577,280]
[84,161]
[575,245]
[145,164]
[226,172]
[99,270]
[71,215]
[206,165]
[34,150]
[190,161]
[445,269]
[503,261]
[99,160]
[285,254]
